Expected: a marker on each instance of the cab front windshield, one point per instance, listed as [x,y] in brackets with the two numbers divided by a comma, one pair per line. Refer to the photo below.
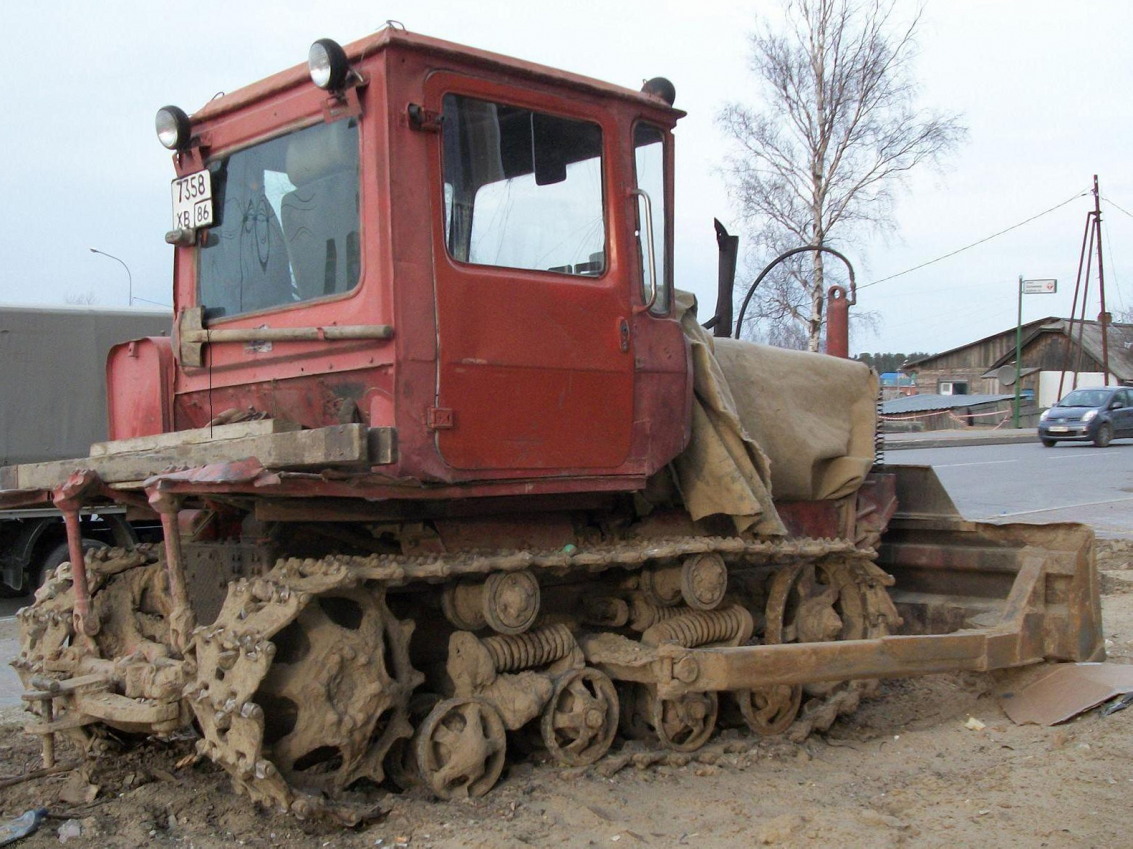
[288,226]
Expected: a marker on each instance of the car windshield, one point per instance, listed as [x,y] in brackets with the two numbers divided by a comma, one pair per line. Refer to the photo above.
[1086,398]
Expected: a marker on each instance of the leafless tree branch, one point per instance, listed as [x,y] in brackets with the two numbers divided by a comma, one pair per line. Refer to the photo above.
[819,164]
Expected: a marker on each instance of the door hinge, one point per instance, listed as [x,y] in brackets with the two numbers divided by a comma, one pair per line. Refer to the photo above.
[421,118]
[439,418]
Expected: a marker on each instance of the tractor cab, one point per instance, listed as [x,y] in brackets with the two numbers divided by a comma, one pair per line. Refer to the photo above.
[470,251]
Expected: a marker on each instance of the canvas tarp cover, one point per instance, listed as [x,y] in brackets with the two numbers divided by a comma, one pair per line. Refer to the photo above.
[771,423]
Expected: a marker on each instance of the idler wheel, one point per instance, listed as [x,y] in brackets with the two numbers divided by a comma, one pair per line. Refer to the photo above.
[815,603]
[511,601]
[704,580]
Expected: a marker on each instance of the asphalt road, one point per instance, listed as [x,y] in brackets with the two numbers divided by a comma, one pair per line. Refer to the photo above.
[1021,482]
[1028,483]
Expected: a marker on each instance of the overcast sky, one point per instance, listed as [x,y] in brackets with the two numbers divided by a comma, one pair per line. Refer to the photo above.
[1041,84]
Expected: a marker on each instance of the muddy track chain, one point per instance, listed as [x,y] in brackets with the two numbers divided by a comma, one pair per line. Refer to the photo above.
[879,619]
[241,678]
[302,684]
[397,570]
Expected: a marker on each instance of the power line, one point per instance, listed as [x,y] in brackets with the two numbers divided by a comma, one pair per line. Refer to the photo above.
[1113,265]
[1115,206]
[980,242]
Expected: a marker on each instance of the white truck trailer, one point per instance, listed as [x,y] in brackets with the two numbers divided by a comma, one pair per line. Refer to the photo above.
[53,406]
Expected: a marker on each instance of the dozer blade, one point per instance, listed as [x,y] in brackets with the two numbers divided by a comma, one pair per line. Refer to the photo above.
[971,596]
[953,574]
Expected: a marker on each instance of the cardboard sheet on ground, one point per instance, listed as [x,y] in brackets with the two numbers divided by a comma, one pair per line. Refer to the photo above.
[1066,691]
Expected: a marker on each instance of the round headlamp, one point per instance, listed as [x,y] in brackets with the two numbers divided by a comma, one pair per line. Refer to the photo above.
[173,128]
[328,64]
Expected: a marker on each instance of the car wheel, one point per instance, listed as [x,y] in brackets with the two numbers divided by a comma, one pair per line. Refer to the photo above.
[1104,436]
[1047,443]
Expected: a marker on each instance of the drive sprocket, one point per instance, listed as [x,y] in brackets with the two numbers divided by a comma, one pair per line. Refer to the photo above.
[303,684]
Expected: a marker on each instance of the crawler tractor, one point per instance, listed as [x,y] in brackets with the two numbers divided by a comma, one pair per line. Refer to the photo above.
[440,454]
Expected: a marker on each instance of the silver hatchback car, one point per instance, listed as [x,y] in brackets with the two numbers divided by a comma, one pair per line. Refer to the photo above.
[1089,415]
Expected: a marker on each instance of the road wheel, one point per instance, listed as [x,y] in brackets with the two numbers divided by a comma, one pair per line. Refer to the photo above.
[1047,443]
[1104,435]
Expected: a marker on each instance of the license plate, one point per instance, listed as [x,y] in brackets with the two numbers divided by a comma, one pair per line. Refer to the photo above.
[1058,429]
[192,201]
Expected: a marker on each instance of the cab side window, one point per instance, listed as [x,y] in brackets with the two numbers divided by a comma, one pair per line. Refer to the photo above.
[523,189]
[649,164]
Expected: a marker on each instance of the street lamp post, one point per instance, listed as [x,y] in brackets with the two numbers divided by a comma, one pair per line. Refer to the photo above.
[129,276]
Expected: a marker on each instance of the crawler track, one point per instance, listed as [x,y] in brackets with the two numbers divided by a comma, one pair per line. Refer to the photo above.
[302,685]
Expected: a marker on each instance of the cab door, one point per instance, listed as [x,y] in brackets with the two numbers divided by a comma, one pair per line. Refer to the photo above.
[535,366]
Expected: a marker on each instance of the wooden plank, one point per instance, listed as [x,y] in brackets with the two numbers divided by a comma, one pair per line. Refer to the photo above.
[340,445]
[190,437]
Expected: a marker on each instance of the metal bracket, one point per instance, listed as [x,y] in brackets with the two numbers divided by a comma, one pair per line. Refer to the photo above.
[439,418]
[424,119]
[345,104]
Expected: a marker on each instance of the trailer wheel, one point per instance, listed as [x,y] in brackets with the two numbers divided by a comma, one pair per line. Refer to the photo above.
[57,556]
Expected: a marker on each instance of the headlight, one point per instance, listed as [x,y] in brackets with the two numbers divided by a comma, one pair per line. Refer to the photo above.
[173,128]
[328,64]
[1045,413]
[1089,415]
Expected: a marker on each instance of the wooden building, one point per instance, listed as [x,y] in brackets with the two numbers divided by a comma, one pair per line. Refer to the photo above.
[1057,355]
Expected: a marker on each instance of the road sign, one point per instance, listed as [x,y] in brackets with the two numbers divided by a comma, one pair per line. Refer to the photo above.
[1039,287]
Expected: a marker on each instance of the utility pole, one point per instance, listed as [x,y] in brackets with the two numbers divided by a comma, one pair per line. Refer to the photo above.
[1091,243]
[1018,356]
[1103,318]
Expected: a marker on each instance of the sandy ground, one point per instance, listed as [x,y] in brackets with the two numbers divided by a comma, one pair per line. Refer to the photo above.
[904,771]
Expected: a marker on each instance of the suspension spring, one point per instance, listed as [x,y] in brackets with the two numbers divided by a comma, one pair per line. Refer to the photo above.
[511,653]
[879,433]
[732,625]
[644,614]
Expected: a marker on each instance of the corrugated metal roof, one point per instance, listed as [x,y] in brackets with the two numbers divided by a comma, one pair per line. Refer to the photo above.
[928,403]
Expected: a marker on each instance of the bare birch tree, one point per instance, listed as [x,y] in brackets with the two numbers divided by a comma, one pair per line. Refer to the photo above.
[818,163]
